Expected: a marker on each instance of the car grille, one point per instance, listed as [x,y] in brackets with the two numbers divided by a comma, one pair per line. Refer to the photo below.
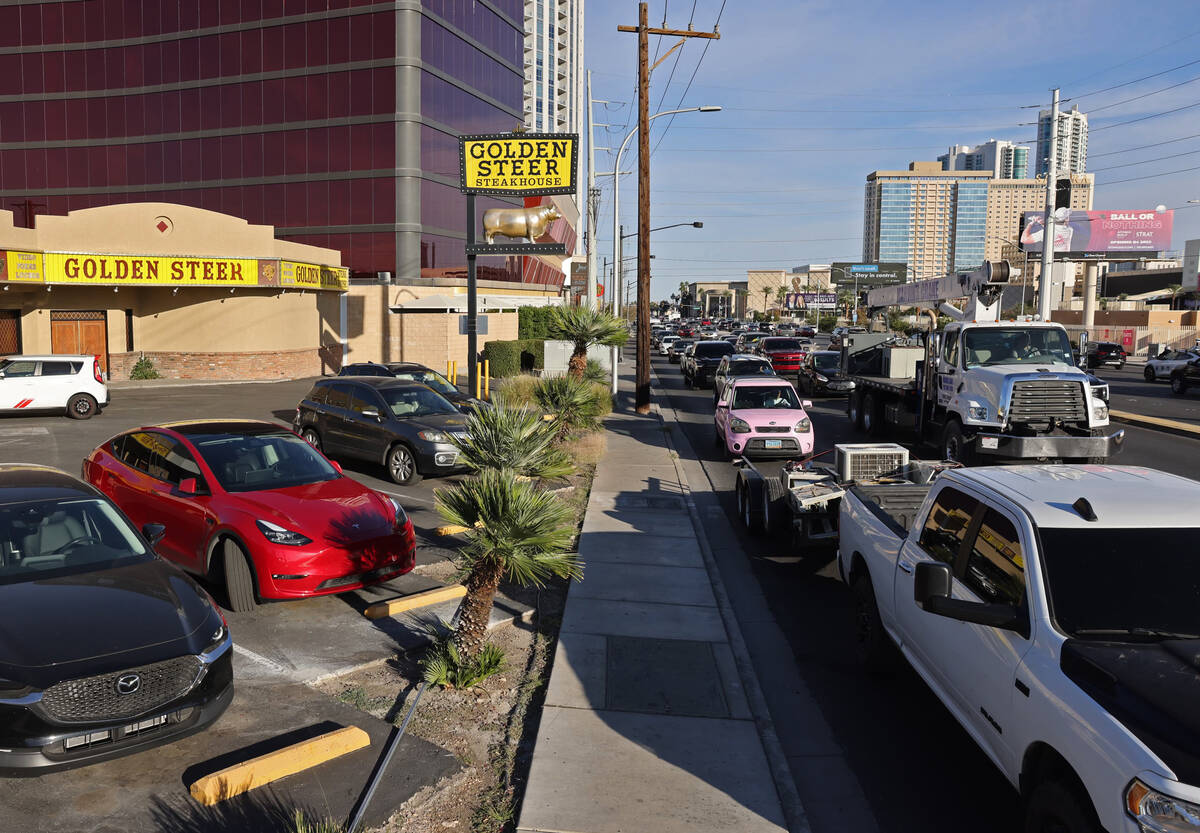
[773,429]
[784,445]
[90,699]
[1039,399]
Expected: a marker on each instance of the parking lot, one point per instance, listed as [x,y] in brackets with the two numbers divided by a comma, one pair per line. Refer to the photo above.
[280,649]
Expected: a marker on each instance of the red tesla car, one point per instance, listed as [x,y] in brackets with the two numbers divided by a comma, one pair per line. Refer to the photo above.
[786,354]
[253,506]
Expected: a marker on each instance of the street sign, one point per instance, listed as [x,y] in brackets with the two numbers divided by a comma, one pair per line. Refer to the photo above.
[518,164]
[480,329]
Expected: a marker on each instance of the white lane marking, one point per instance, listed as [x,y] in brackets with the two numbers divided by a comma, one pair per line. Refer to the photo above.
[406,497]
[261,660]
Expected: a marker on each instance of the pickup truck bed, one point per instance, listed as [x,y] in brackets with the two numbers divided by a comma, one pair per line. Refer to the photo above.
[895,504]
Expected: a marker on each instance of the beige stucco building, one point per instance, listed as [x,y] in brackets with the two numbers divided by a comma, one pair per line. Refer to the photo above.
[1009,198]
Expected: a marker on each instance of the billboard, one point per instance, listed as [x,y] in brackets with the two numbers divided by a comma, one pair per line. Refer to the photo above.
[1113,234]
[810,300]
[868,274]
[518,164]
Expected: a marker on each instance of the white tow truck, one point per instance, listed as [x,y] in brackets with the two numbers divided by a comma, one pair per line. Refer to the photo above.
[1056,616]
[981,388]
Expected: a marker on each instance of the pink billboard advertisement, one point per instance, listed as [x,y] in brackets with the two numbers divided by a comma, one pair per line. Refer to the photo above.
[1099,234]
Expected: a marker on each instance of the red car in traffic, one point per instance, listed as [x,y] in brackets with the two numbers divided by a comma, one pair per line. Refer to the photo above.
[786,354]
[253,506]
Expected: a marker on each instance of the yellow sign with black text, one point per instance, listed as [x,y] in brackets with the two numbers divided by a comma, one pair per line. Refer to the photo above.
[22,267]
[311,276]
[519,163]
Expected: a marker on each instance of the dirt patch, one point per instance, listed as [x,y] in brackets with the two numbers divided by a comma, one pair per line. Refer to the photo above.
[491,728]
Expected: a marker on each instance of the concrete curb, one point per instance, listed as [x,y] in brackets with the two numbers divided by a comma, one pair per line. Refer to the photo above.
[1166,426]
[169,384]
[781,773]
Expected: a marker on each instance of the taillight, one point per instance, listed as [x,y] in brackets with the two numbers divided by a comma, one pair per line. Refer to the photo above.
[96,369]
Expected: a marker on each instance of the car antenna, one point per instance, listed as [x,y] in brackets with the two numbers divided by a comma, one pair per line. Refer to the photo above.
[1084,509]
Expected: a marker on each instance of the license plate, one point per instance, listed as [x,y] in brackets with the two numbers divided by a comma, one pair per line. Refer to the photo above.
[989,442]
[772,443]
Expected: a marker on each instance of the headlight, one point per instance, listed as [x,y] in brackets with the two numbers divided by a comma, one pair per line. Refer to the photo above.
[980,413]
[804,426]
[1158,813]
[739,426]
[401,517]
[1100,392]
[217,637]
[433,436]
[278,535]
[821,378]
[1100,411]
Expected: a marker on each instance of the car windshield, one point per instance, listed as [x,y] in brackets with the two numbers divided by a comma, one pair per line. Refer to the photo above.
[1105,583]
[47,538]
[985,346]
[752,398]
[416,401]
[782,344]
[682,344]
[429,378]
[751,368]
[827,361]
[258,462]
[722,348]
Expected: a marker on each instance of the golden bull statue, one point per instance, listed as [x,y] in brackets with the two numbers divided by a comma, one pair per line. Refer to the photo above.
[529,223]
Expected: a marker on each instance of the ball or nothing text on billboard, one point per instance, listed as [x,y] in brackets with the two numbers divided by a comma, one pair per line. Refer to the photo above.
[1101,235]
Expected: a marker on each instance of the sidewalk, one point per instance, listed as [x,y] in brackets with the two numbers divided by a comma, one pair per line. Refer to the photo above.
[647,724]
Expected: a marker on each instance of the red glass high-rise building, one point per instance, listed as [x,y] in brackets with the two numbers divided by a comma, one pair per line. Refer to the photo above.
[333,120]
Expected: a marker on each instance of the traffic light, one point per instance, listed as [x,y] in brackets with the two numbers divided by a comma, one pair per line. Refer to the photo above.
[1062,192]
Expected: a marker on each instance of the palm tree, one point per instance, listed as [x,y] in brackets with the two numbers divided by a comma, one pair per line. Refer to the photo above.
[514,530]
[514,439]
[1174,289]
[766,294]
[585,327]
[780,298]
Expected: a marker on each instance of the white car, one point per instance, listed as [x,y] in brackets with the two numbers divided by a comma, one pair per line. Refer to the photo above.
[664,344]
[1160,366]
[70,384]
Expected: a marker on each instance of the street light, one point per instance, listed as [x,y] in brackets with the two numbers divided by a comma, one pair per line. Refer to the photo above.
[696,224]
[705,108]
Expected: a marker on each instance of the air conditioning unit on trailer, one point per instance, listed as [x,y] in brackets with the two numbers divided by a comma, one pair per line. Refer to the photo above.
[862,461]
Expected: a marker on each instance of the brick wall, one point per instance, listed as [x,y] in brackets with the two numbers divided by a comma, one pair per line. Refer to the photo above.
[258,366]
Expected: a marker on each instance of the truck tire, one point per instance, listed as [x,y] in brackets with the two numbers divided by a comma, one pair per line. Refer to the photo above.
[872,414]
[1058,807]
[955,446]
[750,506]
[775,514]
[854,404]
[871,642]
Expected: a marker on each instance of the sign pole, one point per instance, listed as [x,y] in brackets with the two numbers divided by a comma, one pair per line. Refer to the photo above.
[1046,283]
[472,300]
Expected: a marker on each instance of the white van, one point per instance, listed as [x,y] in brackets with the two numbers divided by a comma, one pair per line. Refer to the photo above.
[72,384]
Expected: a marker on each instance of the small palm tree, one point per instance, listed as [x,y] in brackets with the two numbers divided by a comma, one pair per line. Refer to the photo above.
[584,327]
[1174,289]
[514,530]
[574,403]
[766,294]
[513,439]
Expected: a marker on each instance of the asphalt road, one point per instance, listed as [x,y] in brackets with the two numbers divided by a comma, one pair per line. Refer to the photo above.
[1128,391]
[916,769]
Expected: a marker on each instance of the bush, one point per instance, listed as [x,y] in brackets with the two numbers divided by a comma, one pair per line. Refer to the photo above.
[516,391]
[508,358]
[144,369]
[595,372]
[575,404]
[533,322]
[603,399]
[445,667]
[827,323]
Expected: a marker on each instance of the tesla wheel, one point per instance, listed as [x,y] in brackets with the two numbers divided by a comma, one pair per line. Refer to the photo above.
[239,581]
[1056,807]
[1148,374]
[81,406]
[1178,386]
[870,642]
[402,466]
[955,446]
[311,437]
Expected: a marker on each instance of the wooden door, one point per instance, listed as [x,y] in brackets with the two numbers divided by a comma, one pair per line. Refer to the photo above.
[80,332]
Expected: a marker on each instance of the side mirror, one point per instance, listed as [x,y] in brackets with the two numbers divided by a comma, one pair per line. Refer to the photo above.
[336,466]
[188,486]
[931,590]
[154,533]
[371,413]
[932,580]
[806,404]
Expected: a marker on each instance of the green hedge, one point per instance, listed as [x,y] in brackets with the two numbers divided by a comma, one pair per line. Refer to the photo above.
[533,322]
[509,358]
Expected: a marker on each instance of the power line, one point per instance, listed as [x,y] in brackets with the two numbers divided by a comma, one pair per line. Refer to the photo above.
[1144,95]
[875,110]
[1145,118]
[744,149]
[1153,176]
[893,128]
[1131,60]
[1146,161]
[678,55]
[695,70]
[1143,147]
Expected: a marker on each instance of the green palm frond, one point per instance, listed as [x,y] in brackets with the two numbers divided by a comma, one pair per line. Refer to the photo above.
[575,403]
[584,326]
[512,438]
[511,523]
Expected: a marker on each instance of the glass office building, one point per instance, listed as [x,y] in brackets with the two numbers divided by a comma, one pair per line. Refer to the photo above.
[332,120]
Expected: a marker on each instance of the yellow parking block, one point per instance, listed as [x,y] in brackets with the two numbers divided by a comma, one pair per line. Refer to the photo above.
[264,769]
[452,529]
[390,607]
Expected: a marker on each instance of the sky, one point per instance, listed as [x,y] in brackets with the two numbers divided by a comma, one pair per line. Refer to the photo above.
[817,94]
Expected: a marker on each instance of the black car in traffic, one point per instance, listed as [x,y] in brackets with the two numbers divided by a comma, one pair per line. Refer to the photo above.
[105,649]
[821,374]
[404,426]
[1186,378]
[1105,352]
[699,366]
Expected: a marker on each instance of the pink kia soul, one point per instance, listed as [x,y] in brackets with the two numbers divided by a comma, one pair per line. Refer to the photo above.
[761,418]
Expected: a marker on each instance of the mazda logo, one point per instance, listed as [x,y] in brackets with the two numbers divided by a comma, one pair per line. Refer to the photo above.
[128,684]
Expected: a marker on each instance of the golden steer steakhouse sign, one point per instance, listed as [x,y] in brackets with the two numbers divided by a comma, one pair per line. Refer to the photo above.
[135,270]
[518,163]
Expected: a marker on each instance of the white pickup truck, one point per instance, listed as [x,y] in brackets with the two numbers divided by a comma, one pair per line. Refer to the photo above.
[1055,611]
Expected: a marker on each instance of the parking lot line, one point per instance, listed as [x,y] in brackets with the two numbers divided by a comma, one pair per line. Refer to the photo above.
[264,769]
[261,660]
[390,607]
[406,496]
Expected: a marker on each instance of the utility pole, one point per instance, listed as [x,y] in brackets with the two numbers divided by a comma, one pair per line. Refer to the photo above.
[642,397]
[1045,296]
[593,202]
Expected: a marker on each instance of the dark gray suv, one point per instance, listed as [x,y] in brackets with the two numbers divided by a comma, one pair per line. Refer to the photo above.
[404,426]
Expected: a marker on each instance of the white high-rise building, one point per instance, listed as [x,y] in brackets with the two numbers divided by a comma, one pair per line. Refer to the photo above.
[1003,158]
[554,70]
[1071,156]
